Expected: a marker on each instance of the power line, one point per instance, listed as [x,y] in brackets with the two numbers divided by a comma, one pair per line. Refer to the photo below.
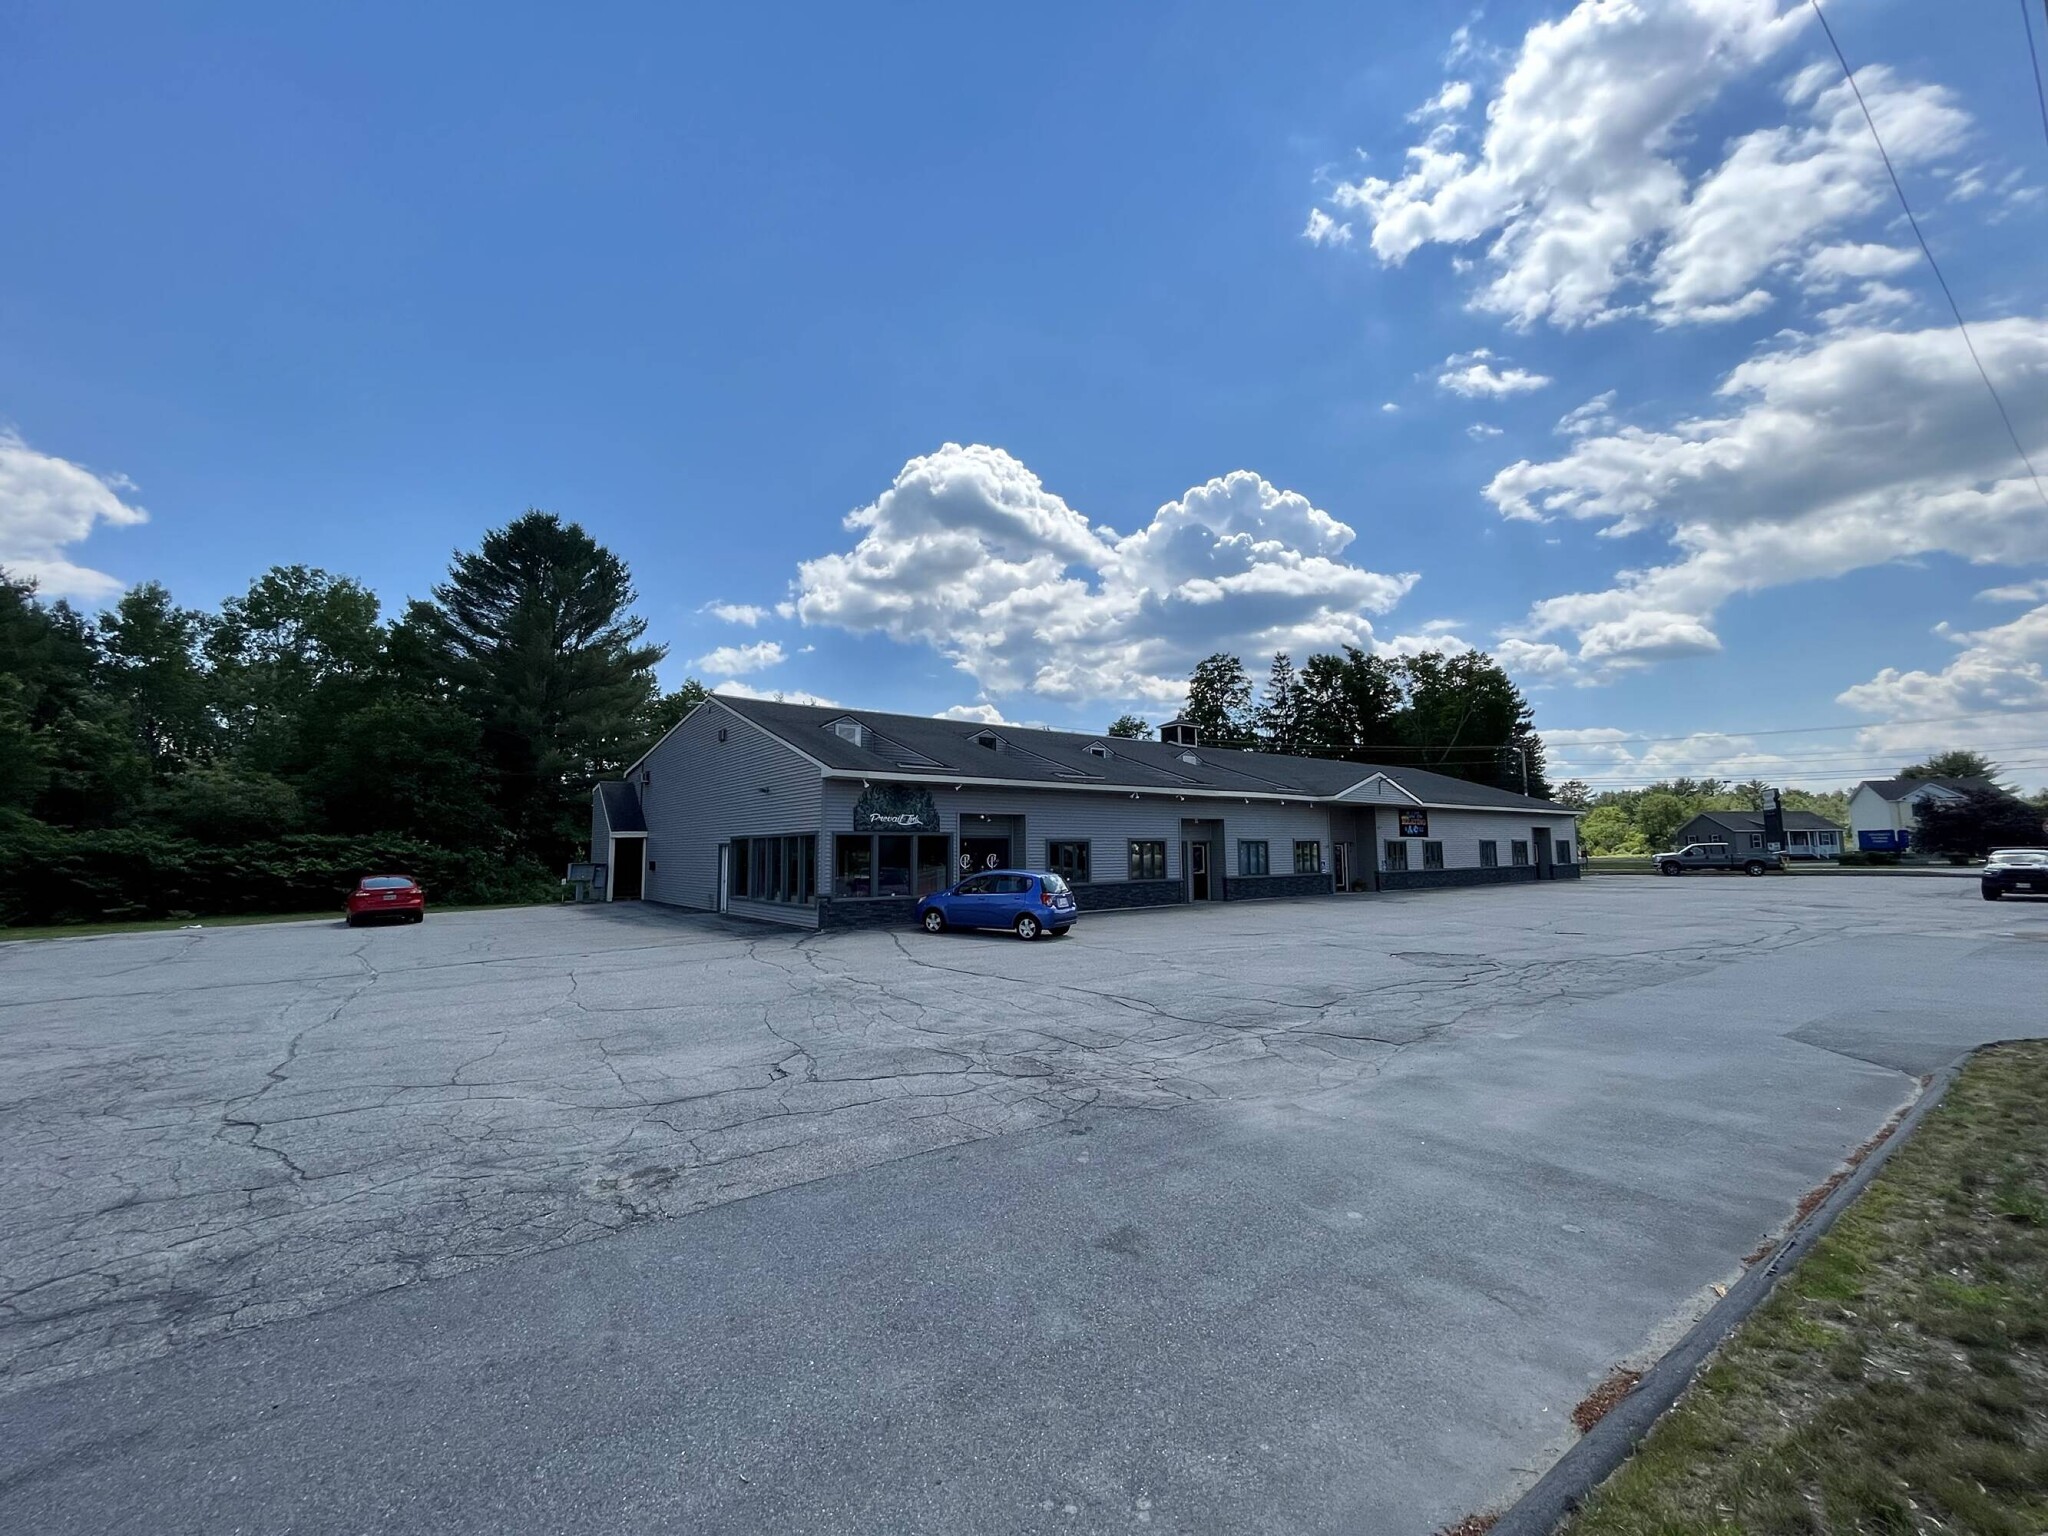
[2034,58]
[1799,730]
[1928,251]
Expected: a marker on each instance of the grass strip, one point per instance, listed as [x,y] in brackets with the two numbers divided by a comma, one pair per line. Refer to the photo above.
[1897,1379]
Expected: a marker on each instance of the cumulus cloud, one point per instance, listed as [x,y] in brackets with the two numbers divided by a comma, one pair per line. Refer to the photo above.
[969,553]
[1324,230]
[1454,98]
[981,714]
[1608,757]
[741,658]
[1473,376]
[1578,189]
[1996,670]
[740,690]
[1837,453]
[1481,430]
[2018,592]
[736,613]
[48,504]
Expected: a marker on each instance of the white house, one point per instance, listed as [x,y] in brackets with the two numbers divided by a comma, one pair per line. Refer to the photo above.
[1884,813]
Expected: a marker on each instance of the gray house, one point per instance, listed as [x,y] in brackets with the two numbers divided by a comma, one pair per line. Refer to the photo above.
[1807,835]
[837,818]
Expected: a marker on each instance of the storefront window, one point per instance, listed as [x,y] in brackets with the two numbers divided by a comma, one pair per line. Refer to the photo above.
[1308,858]
[892,866]
[1069,860]
[934,864]
[1397,855]
[1432,855]
[1148,860]
[853,866]
[780,869]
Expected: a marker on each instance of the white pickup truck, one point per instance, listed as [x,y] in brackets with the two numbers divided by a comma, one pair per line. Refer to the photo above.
[1716,856]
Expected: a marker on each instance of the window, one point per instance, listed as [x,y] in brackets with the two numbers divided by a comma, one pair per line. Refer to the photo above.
[1489,855]
[1519,850]
[849,730]
[934,864]
[1254,859]
[1308,858]
[1069,861]
[1397,855]
[893,865]
[783,869]
[1756,839]
[980,885]
[853,866]
[1148,860]
[1564,851]
[1011,885]
[1432,855]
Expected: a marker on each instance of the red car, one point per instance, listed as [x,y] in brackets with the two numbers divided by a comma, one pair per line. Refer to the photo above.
[396,896]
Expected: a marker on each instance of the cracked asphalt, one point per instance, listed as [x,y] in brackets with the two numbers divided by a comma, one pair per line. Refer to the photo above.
[1291,1216]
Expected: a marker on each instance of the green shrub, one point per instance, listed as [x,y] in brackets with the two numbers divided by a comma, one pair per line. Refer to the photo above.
[49,876]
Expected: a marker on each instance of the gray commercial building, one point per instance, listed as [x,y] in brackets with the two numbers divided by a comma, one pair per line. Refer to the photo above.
[838,818]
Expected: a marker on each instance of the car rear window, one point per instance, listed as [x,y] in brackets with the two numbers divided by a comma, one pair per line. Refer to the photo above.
[1054,883]
[387,883]
[2021,856]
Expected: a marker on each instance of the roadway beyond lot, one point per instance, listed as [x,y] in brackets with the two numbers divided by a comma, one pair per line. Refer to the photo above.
[1305,1216]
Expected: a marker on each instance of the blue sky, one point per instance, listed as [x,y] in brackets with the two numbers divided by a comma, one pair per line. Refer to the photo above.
[1291,298]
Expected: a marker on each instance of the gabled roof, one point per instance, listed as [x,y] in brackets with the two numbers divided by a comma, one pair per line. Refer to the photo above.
[901,746]
[1753,821]
[1898,789]
[622,811]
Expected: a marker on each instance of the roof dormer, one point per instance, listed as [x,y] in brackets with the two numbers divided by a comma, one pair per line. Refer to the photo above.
[846,728]
[1180,732]
[988,739]
[1097,749]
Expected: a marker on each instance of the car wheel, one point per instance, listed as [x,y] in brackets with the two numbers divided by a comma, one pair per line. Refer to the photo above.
[1991,893]
[1753,867]
[934,920]
[1669,869]
[1029,928]
[419,917]
[350,919]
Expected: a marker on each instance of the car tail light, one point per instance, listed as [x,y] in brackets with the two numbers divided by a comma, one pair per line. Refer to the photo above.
[1044,897]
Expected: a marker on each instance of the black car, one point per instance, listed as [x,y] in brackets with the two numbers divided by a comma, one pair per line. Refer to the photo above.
[2016,872]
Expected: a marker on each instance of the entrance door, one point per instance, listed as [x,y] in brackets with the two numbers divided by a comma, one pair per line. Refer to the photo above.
[724,876]
[1542,846]
[977,853]
[1198,870]
[628,855]
[1343,859]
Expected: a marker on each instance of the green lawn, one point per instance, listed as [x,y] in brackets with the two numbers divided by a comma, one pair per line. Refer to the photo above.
[1897,1381]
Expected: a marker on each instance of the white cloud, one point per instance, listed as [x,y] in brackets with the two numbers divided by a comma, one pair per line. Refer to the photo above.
[1853,450]
[1596,415]
[1482,430]
[47,504]
[1534,658]
[1879,302]
[1581,194]
[1324,230]
[984,714]
[1610,758]
[1779,189]
[1454,98]
[2001,669]
[2019,592]
[742,658]
[1833,264]
[740,690]
[736,613]
[969,553]
[1389,407]
[1472,374]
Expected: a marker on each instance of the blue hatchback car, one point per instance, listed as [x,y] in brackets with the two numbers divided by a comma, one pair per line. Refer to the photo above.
[1027,904]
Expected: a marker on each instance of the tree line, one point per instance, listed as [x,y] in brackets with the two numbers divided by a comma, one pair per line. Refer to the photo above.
[1459,714]
[1646,820]
[158,760]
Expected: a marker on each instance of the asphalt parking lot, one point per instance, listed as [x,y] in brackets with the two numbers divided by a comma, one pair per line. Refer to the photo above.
[1294,1216]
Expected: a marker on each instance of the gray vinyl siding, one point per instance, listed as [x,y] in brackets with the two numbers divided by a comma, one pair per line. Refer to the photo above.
[600,832]
[1461,832]
[1107,821]
[701,792]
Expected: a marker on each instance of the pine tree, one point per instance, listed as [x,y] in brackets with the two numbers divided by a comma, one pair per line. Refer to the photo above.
[1278,719]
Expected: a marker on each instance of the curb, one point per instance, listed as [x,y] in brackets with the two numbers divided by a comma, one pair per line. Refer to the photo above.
[1603,1448]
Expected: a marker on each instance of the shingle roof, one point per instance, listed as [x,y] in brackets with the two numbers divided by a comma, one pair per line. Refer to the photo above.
[622,807]
[918,744]
[1753,821]
[1898,789]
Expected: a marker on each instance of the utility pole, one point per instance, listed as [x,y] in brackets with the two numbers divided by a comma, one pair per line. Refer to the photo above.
[1774,822]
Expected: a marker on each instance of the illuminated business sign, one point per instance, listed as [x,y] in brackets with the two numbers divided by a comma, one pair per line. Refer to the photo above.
[895,808]
[1415,823]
